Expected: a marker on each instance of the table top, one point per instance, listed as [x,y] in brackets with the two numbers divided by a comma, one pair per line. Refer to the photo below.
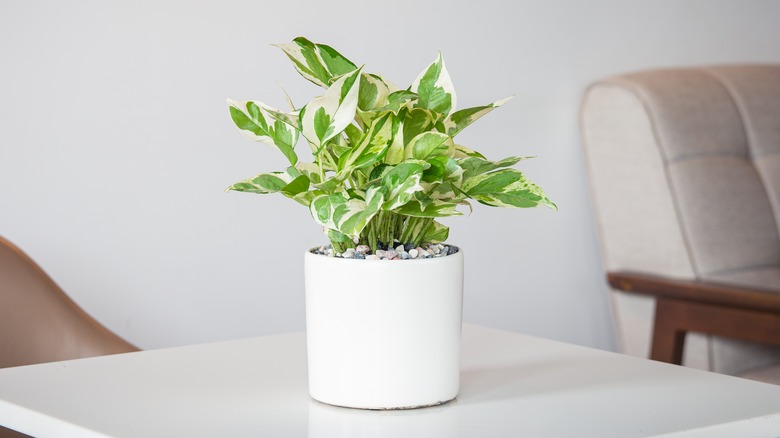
[511,385]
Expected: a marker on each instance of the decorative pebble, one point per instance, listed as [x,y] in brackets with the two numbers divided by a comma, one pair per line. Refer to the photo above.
[397,251]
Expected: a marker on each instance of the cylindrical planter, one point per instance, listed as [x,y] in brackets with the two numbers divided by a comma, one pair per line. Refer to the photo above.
[384,334]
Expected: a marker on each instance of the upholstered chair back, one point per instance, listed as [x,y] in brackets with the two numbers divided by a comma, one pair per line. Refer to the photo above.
[684,167]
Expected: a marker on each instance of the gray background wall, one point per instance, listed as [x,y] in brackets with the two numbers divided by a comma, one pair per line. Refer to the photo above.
[115,145]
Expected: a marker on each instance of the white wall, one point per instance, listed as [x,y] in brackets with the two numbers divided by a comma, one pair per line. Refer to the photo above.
[115,146]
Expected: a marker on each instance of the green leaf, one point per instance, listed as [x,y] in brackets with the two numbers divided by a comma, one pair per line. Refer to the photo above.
[506,188]
[434,88]
[317,63]
[436,233]
[427,145]
[459,120]
[371,148]
[255,121]
[328,115]
[296,186]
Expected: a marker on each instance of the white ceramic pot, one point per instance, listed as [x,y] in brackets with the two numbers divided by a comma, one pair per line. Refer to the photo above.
[384,334]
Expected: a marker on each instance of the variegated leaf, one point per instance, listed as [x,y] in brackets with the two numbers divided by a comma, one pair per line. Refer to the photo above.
[267,182]
[371,148]
[460,151]
[427,145]
[416,122]
[345,215]
[434,88]
[305,198]
[318,63]
[255,121]
[459,120]
[328,115]
[436,233]
[506,188]
[311,170]
[473,166]
[395,153]
[374,92]
[402,183]
[445,190]
[433,208]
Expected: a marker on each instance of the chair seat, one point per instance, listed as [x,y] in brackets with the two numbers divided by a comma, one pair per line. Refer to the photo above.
[770,374]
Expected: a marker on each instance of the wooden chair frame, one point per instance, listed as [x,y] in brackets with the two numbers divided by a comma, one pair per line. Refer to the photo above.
[684,306]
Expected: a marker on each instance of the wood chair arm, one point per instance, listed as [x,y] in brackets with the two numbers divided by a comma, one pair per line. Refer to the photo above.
[705,292]
[684,306]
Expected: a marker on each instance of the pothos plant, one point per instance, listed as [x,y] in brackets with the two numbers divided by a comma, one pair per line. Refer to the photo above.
[385,161]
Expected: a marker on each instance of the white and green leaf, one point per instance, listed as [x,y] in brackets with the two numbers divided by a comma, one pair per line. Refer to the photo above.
[317,63]
[506,188]
[256,122]
[395,153]
[328,115]
[434,88]
[348,216]
[459,120]
[430,208]
[265,183]
[372,148]
[473,166]
[402,183]
[460,151]
[417,121]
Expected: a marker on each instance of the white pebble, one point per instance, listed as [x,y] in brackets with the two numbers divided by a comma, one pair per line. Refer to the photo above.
[380,253]
[390,255]
[413,253]
[349,253]
[362,249]
[373,257]
[399,249]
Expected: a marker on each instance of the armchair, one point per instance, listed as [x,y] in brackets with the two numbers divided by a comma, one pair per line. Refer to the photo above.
[684,169]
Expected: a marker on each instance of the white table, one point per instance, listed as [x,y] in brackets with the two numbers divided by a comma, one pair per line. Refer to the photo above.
[512,386]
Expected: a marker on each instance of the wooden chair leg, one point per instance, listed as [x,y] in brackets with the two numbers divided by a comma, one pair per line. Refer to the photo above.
[668,333]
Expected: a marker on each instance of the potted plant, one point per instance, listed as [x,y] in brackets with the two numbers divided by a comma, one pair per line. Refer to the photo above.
[384,298]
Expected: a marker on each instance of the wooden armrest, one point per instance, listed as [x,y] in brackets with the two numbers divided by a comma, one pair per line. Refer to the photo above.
[697,291]
[683,306]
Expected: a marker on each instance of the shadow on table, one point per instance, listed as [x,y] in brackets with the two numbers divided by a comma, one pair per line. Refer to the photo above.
[433,422]
[537,379]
